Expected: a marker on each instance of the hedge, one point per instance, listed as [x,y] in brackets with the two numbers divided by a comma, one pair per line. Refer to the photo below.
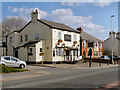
[6,69]
[98,60]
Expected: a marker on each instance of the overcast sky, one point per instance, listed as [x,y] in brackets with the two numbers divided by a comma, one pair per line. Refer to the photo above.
[95,17]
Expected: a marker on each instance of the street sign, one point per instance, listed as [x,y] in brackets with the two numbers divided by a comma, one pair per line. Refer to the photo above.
[90,44]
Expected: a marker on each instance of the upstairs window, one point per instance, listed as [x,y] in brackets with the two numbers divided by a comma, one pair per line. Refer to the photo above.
[96,44]
[74,37]
[84,43]
[100,45]
[10,39]
[26,38]
[36,36]
[59,35]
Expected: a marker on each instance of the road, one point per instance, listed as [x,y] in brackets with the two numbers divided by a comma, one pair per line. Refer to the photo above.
[68,78]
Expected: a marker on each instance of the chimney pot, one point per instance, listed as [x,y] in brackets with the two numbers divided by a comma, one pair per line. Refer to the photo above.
[36,10]
[80,29]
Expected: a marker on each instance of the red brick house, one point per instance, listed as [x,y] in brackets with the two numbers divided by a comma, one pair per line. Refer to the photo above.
[88,41]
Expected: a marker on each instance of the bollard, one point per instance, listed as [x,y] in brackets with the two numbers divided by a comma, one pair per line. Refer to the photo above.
[100,63]
[108,62]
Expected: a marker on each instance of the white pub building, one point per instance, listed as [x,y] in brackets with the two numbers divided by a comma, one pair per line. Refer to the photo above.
[44,41]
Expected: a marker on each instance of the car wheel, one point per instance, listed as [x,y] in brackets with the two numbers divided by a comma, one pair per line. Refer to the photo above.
[22,66]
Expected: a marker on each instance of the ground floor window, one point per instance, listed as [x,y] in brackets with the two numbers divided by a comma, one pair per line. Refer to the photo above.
[83,53]
[95,53]
[74,52]
[30,51]
[100,54]
[59,51]
[53,53]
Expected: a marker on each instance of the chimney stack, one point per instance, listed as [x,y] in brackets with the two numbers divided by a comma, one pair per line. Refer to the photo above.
[80,29]
[35,15]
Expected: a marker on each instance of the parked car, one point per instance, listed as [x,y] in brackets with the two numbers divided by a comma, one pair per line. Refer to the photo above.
[12,62]
[105,57]
[114,57]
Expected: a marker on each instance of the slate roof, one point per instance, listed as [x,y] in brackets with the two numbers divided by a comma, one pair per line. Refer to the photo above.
[29,43]
[52,24]
[57,25]
[88,37]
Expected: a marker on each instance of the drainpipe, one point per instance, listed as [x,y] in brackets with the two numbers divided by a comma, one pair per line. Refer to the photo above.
[27,54]
[6,46]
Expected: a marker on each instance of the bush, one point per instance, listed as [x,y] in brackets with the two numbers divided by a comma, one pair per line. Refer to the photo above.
[6,69]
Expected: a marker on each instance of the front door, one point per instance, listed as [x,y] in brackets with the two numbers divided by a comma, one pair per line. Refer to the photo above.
[67,52]
[16,53]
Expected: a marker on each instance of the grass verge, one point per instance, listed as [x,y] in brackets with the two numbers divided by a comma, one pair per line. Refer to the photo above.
[5,69]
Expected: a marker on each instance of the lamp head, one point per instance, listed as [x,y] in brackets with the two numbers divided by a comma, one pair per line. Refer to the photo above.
[113,16]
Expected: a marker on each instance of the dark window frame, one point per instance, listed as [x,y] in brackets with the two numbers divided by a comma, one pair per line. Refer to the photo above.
[41,49]
[21,39]
[10,39]
[26,38]
[67,37]
[30,50]
[36,36]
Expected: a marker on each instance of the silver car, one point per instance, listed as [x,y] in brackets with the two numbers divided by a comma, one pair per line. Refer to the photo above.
[12,62]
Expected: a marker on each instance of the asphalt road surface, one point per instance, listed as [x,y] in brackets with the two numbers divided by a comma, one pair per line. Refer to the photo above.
[69,78]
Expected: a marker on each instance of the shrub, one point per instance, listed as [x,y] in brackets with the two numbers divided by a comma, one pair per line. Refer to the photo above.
[6,69]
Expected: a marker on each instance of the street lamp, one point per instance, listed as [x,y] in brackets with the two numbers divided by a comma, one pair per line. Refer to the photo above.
[112,37]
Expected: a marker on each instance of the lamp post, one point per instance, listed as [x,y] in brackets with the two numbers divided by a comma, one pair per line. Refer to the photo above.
[112,37]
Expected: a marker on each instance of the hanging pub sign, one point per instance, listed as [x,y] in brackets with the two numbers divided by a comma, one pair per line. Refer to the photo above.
[67,37]
[90,44]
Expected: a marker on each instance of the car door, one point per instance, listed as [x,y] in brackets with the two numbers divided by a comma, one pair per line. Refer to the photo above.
[7,61]
[15,62]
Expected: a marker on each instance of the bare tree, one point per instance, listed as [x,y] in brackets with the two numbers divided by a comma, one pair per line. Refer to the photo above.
[12,24]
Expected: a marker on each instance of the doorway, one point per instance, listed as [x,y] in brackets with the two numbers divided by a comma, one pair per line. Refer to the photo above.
[67,52]
[16,53]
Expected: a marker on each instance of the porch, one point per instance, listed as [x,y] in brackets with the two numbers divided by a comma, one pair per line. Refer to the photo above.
[69,54]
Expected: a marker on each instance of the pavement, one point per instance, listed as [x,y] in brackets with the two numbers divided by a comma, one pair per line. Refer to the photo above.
[37,70]
[104,77]
[78,65]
